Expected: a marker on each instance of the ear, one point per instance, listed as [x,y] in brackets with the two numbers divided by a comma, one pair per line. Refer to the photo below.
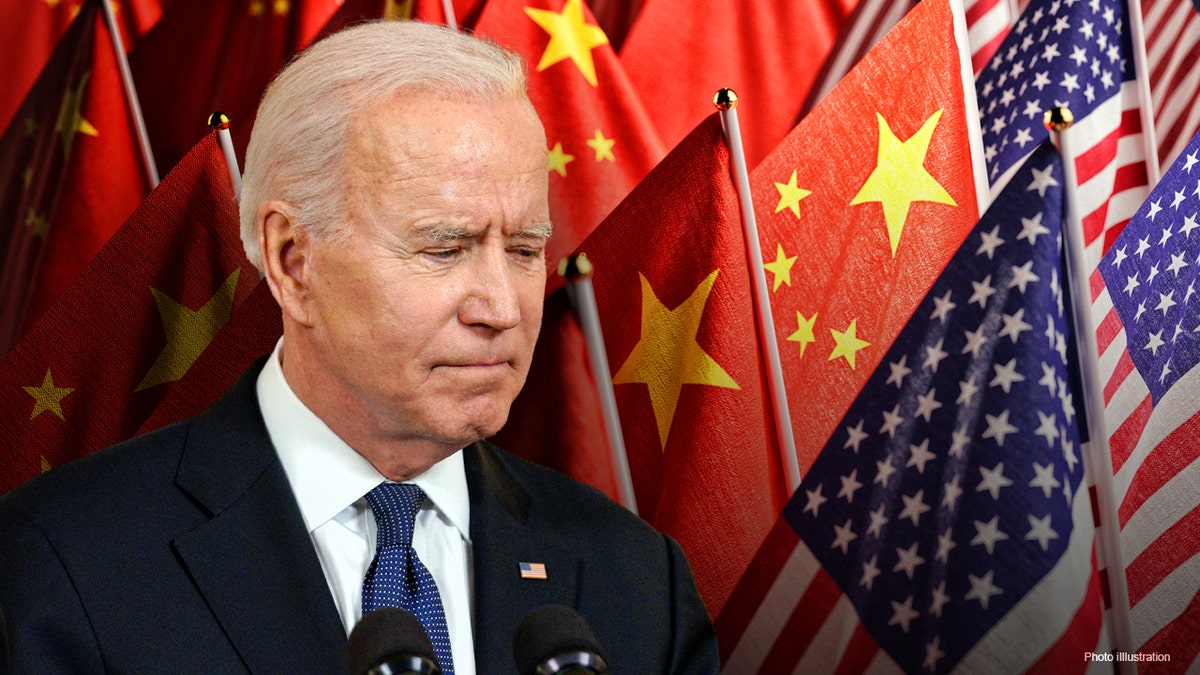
[287,257]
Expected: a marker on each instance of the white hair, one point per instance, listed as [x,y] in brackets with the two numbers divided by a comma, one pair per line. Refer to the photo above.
[298,146]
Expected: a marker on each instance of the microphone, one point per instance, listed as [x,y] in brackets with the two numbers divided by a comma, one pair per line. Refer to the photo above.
[555,640]
[390,641]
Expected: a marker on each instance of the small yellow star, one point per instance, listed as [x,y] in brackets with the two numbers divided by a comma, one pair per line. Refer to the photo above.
[667,355]
[900,177]
[282,7]
[36,223]
[189,332]
[27,177]
[571,37]
[790,196]
[603,147]
[848,343]
[781,268]
[52,3]
[31,126]
[257,8]
[804,331]
[46,465]
[47,397]
[557,160]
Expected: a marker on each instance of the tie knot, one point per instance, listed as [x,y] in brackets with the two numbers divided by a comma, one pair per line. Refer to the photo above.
[395,506]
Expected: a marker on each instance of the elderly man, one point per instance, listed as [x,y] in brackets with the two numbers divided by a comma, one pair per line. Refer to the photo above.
[395,200]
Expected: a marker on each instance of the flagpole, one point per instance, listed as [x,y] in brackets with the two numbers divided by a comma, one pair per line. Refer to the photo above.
[1141,70]
[219,122]
[135,108]
[1098,460]
[448,8]
[726,101]
[577,270]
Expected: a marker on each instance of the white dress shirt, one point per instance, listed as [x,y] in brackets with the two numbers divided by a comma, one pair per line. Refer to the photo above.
[331,480]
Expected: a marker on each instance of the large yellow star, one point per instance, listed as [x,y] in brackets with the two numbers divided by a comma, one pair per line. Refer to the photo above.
[557,160]
[46,466]
[188,332]
[603,147]
[790,196]
[804,331]
[70,116]
[667,356]
[47,397]
[900,178]
[847,343]
[781,268]
[571,37]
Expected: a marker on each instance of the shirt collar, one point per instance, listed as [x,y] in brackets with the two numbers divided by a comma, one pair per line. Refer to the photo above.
[326,474]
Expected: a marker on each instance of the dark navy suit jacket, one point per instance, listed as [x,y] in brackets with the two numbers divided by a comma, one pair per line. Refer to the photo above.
[184,551]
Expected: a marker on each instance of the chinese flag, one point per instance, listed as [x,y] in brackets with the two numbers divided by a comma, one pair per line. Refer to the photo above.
[861,207]
[30,31]
[680,52]
[204,56]
[675,304]
[600,140]
[130,327]
[71,172]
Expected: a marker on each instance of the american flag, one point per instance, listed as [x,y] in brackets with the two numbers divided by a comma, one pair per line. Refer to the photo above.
[947,523]
[1172,52]
[1149,345]
[1075,53]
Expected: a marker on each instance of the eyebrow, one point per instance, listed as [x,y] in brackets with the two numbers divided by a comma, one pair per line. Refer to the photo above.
[541,231]
[445,233]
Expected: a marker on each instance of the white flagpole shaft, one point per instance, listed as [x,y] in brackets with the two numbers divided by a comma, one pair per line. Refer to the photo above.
[135,107]
[584,300]
[219,122]
[448,8]
[1098,461]
[1142,71]
[762,301]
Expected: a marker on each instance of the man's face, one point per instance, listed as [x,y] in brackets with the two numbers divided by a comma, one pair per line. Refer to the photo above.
[427,312]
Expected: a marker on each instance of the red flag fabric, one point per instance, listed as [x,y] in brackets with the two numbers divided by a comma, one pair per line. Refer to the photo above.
[680,52]
[1172,31]
[860,207]
[30,31]
[72,173]
[601,142]
[130,326]
[674,297]
[203,57]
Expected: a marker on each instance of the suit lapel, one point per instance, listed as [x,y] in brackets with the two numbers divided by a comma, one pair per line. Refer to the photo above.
[502,539]
[253,561]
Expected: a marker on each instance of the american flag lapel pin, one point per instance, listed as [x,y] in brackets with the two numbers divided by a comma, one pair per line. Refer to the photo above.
[533,570]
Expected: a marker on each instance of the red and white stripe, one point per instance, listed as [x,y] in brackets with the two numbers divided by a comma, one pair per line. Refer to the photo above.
[1172,30]
[988,21]
[1156,465]
[788,616]
[1110,166]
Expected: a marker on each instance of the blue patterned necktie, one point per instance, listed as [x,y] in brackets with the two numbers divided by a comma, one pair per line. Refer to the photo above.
[396,577]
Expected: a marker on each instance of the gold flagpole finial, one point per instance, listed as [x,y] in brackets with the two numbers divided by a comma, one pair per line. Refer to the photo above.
[725,99]
[575,267]
[219,121]
[1058,118]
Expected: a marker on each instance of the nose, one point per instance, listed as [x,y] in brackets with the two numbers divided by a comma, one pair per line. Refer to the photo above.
[492,300]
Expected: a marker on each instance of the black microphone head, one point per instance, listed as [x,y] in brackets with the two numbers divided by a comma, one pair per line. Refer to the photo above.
[386,634]
[551,631]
